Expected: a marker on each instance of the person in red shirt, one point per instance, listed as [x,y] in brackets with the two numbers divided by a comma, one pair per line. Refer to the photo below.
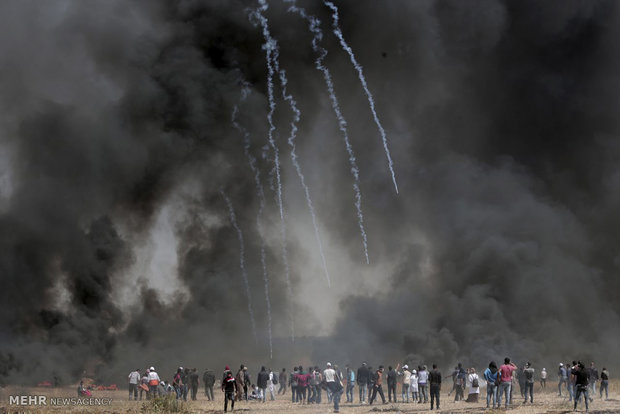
[505,383]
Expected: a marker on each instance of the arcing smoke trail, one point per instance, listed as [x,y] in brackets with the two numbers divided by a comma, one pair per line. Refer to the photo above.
[244,275]
[291,141]
[269,46]
[342,123]
[259,217]
[360,73]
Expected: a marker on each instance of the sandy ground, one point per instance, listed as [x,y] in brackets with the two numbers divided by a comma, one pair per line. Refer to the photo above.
[544,402]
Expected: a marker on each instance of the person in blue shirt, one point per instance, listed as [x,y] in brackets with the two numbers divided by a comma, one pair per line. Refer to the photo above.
[491,375]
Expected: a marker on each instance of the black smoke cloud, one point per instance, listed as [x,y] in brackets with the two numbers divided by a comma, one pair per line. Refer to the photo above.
[501,118]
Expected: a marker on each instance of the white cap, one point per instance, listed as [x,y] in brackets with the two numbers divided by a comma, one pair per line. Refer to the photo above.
[329,364]
[405,367]
[561,364]
[152,369]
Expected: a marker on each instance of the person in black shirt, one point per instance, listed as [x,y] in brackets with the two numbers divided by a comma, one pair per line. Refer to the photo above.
[581,383]
[391,382]
[434,379]
[362,380]
[604,383]
[228,386]
[194,382]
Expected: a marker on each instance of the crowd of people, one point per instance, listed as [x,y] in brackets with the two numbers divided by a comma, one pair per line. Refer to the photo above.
[417,385]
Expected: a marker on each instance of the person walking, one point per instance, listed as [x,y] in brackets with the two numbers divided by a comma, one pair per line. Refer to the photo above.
[378,386]
[282,380]
[293,384]
[491,376]
[228,387]
[134,380]
[528,374]
[434,379]
[505,385]
[461,379]
[562,378]
[240,382]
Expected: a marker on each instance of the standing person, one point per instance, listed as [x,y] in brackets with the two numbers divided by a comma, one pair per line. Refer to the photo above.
[293,383]
[423,384]
[461,378]
[185,379]
[434,379]
[406,382]
[334,385]
[562,378]
[240,381]
[413,385]
[261,382]
[350,383]
[247,382]
[454,376]
[571,380]
[505,384]
[592,377]
[604,383]
[378,386]
[302,385]
[228,387]
[271,384]
[543,378]
[177,382]
[391,382]
[491,376]
[362,381]
[134,379]
[282,380]
[209,380]
[312,385]
[473,383]
[153,382]
[194,382]
[144,382]
[528,373]
[581,384]
[318,378]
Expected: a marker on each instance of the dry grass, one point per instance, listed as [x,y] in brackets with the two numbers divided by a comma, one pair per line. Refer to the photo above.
[545,402]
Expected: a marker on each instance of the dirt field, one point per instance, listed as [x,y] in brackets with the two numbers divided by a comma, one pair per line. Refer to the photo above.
[544,402]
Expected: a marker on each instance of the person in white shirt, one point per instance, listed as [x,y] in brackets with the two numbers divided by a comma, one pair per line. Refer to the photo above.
[153,382]
[134,379]
[414,385]
[473,383]
[334,384]
[270,385]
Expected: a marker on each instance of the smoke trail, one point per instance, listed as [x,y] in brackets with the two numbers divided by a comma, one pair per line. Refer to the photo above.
[360,73]
[291,141]
[259,217]
[269,46]
[244,275]
[342,123]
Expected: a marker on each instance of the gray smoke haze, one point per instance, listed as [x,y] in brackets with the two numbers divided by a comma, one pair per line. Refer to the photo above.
[116,139]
